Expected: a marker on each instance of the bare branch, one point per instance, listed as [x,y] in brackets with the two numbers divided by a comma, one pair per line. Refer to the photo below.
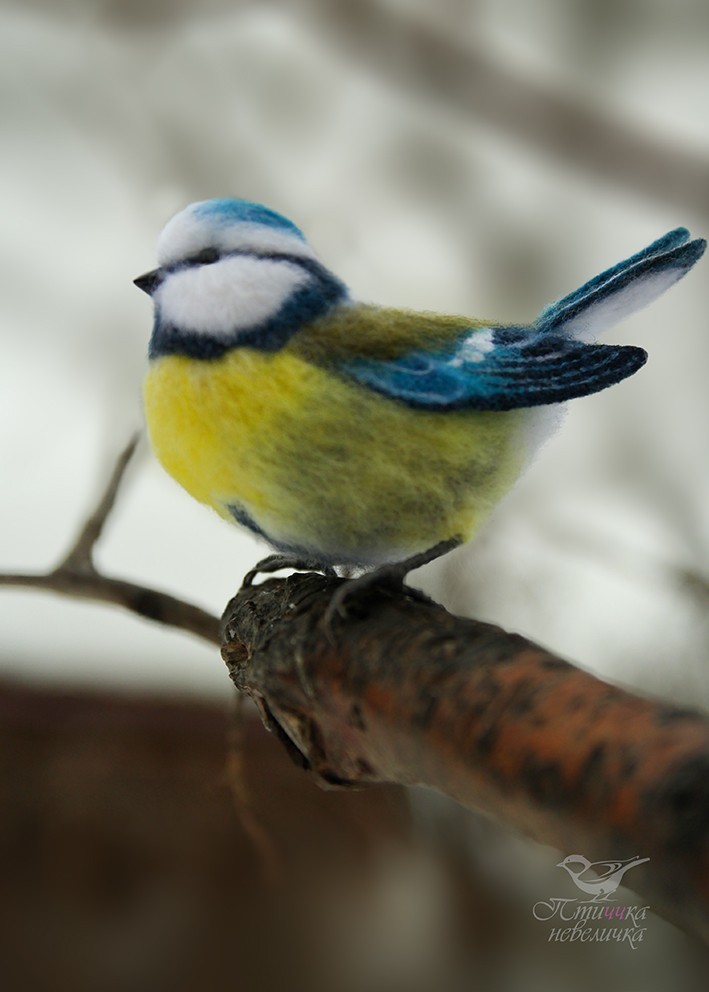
[142,600]
[411,694]
[81,555]
[238,755]
[77,576]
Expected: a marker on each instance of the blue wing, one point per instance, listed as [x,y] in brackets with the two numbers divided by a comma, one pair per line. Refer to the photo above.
[500,368]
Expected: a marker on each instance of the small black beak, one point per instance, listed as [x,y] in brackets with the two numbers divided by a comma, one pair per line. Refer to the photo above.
[149,282]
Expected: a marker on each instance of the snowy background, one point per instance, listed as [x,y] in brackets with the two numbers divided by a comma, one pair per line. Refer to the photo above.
[115,115]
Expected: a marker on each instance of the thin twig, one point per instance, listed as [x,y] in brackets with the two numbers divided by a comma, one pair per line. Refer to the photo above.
[78,577]
[81,555]
[153,604]
[265,847]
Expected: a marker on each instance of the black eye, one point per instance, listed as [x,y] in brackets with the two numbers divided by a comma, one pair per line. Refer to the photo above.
[205,256]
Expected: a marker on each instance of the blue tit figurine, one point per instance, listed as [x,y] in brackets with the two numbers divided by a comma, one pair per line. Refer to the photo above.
[345,433]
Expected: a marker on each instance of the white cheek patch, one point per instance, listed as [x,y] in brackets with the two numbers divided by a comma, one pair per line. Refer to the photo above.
[474,347]
[620,304]
[232,294]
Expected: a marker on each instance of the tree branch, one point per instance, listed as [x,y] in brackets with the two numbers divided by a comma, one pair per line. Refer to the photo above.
[152,604]
[411,694]
[78,577]
[81,555]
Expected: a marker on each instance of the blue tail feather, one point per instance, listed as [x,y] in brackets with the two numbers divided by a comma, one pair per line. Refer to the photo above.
[625,287]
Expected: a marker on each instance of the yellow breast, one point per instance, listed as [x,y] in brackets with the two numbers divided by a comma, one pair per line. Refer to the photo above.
[321,463]
[210,422]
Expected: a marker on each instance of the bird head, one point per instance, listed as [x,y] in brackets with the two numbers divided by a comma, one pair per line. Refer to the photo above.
[574,863]
[233,273]
[205,232]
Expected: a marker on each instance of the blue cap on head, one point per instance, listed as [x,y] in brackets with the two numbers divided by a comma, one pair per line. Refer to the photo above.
[229,211]
[229,225]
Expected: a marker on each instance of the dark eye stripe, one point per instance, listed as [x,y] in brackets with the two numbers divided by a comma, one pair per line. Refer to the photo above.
[204,257]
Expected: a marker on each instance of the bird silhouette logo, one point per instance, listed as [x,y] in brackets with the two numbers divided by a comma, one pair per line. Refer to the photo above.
[599,879]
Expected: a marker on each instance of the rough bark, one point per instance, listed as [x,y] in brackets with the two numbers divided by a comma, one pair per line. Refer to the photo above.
[401,691]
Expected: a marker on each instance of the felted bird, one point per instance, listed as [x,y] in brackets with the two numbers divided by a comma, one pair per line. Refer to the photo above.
[599,879]
[346,433]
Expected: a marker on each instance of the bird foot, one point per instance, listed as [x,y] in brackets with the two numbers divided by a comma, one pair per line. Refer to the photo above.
[274,563]
[389,577]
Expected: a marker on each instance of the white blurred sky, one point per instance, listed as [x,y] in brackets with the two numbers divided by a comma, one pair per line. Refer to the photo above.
[114,116]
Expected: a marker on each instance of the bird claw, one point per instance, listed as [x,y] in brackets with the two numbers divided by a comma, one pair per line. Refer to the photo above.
[389,577]
[277,562]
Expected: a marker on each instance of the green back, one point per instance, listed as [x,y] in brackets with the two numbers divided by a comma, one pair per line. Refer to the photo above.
[361,330]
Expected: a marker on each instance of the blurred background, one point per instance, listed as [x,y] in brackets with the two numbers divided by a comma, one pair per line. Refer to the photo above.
[472,157]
